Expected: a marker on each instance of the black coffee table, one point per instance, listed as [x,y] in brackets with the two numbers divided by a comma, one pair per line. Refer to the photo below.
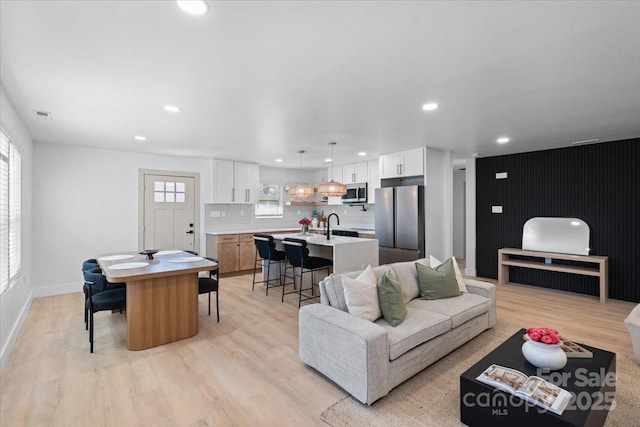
[591,382]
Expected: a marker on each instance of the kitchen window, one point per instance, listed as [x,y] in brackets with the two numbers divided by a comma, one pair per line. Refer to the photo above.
[269,203]
[10,213]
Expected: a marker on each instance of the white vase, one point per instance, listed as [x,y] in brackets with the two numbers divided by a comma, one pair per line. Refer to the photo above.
[546,356]
[314,222]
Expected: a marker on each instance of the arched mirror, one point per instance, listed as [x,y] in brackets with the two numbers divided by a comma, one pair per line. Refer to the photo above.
[561,235]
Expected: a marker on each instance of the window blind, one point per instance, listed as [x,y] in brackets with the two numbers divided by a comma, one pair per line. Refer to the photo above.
[10,212]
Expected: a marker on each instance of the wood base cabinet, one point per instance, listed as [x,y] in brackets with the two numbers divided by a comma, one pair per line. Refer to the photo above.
[235,252]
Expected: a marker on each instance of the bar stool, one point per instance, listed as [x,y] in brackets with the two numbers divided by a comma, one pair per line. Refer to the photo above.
[266,252]
[298,257]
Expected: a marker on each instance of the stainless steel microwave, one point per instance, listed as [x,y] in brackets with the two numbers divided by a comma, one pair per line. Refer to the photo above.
[356,193]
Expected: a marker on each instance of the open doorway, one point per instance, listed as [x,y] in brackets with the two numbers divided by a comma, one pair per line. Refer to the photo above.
[459,212]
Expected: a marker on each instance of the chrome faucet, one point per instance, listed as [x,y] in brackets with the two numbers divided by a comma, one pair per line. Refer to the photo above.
[329,224]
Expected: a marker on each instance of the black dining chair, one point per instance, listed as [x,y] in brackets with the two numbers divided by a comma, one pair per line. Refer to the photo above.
[206,285]
[101,298]
[298,257]
[267,254]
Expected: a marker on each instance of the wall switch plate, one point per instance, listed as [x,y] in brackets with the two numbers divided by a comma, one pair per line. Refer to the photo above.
[214,214]
[496,209]
[501,175]
[221,213]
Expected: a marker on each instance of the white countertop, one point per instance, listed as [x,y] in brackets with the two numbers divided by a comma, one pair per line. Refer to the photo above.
[321,240]
[250,230]
[291,229]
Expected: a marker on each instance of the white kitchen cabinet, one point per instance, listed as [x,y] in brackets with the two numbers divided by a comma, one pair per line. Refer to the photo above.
[402,163]
[373,180]
[354,172]
[235,182]
[246,182]
[222,181]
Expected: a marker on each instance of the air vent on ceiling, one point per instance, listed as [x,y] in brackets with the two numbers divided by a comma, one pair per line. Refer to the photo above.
[44,115]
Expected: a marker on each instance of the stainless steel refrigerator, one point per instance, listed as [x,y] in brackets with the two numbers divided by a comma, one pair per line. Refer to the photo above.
[400,223]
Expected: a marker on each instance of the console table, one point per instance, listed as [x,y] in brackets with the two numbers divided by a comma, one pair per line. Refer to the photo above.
[601,271]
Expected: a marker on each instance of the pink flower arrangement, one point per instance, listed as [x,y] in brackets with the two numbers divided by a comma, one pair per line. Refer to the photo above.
[544,335]
[305,221]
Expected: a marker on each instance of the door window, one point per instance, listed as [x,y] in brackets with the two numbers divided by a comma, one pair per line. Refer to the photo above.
[169,192]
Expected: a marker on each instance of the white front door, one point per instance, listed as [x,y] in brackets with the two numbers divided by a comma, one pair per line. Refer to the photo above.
[169,212]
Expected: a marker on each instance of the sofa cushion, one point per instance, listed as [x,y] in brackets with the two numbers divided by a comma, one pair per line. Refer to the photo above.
[407,276]
[460,309]
[361,295]
[334,291]
[331,287]
[418,327]
[435,263]
[390,297]
[437,283]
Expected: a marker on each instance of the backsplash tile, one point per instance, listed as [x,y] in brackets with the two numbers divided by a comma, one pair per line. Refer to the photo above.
[237,217]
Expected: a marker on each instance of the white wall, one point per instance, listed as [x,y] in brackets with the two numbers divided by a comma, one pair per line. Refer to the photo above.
[470,238]
[86,203]
[15,303]
[458,213]
[438,203]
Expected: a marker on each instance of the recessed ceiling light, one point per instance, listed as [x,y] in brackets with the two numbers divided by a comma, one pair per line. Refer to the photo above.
[278,160]
[172,108]
[140,138]
[502,140]
[430,106]
[328,160]
[475,155]
[194,7]
[362,153]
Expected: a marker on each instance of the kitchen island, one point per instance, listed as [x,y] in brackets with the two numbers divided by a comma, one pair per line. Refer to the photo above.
[347,253]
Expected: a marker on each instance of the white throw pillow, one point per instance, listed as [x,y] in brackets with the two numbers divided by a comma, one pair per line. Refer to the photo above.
[435,262]
[361,295]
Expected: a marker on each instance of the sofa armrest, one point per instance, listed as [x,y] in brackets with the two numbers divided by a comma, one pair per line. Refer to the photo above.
[487,290]
[350,351]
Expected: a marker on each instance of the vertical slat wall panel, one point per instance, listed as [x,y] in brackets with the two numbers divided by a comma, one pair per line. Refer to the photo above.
[598,183]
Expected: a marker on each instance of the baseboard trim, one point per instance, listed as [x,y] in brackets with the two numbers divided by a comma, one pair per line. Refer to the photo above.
[15,331]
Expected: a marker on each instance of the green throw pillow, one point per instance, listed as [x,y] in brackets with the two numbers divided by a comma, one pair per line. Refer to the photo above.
[390,297]
[437,283]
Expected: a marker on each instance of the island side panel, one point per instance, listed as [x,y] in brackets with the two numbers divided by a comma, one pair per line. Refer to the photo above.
[355,256]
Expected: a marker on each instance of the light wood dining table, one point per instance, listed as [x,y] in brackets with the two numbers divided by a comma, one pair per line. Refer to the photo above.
[162,296]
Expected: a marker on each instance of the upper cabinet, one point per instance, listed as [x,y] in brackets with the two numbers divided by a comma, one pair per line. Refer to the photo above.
[354,172]
[402,163]
[247,181]
[373,180]
[235,182]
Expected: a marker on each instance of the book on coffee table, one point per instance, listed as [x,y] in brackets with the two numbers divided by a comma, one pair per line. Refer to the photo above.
[533,389]
[574,350]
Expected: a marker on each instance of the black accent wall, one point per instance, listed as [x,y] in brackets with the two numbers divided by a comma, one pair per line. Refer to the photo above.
[598,183]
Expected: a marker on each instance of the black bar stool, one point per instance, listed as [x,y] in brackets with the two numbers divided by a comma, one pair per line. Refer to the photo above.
[298,257]
[266,252]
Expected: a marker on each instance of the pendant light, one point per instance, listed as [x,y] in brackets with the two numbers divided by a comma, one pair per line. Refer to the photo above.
[301,191]
[332,188]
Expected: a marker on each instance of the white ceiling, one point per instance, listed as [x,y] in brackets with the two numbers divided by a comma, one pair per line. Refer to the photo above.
[260,80]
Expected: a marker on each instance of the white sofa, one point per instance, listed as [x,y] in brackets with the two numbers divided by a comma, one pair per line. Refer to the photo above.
[633,326]
[368,359]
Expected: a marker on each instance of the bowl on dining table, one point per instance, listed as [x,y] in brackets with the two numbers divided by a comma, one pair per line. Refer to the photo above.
[149,253]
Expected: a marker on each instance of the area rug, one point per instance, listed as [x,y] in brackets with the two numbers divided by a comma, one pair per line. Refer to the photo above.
[430,398]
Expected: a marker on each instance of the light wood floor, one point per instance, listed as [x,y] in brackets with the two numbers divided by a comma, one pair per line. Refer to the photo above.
[243,371]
